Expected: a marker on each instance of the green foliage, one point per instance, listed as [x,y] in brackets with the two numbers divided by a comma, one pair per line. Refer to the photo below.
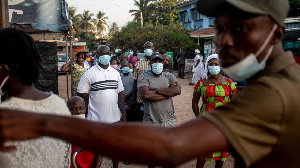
[90,46]
[164,37]
[86,26]
[156,11]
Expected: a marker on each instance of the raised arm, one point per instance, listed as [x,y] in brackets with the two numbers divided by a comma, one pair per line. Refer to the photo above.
[66,66]
[135,143]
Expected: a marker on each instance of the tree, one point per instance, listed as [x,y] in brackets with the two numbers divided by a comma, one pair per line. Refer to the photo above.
[114,28]
[74,27]
[86,21]
[143,6]
[165,37]
[165,12]
[101,22]
[87,26]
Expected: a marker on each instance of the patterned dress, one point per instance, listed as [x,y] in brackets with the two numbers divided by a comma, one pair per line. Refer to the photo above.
[213,96]
[78,71]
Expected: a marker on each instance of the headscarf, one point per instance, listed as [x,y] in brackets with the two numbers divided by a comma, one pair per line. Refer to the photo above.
[213,56]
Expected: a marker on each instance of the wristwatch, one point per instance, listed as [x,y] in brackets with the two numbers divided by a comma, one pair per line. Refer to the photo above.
[156,90]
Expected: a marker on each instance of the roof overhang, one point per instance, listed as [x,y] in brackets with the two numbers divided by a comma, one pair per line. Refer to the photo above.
[207,32]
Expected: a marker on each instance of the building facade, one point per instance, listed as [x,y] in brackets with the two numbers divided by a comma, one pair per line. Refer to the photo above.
[191,19]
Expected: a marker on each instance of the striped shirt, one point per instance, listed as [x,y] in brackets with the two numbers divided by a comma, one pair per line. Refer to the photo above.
[103,87]
[141,66]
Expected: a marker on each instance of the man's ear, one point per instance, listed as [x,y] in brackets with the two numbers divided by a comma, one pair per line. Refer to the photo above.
[6,70]
[278,34]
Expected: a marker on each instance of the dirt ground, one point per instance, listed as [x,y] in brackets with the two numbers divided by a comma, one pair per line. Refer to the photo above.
[183,112]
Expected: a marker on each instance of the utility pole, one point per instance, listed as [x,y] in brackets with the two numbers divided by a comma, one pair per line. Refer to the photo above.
[142,19]
[3,14]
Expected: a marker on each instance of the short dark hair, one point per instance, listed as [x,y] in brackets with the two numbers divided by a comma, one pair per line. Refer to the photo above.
[20,55]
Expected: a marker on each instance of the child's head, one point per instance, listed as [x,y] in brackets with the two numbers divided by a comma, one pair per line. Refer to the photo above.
[76,106]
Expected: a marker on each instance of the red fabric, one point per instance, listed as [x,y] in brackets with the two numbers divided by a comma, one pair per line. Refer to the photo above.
[92,61]
[297,59]
[134,59]
[84,159]
[210,91]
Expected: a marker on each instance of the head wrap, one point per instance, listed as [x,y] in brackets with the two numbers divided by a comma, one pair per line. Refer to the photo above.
[213,56]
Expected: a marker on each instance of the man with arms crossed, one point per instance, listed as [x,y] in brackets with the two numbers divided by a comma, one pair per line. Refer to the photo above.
[260,126]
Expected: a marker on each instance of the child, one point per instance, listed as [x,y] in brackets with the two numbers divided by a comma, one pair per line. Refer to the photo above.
[85,158]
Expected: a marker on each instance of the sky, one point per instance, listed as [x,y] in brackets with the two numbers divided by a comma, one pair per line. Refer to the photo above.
[116,10]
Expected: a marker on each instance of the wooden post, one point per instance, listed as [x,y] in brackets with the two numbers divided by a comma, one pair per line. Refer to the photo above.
[3,14]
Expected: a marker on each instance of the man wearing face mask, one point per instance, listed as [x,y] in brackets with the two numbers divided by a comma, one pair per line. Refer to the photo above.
[129,85]
[260,126]
[101,86]
[157,89]
[141,67]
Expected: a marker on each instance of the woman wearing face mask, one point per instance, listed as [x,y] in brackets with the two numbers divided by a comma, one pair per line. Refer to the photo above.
[216,90]
[78,70]
[16,78]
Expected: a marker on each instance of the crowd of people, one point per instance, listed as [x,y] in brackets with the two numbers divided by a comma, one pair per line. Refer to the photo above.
[256,125]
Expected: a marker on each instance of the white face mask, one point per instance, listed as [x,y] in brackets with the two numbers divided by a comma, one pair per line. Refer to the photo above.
[249,66]
[80,116]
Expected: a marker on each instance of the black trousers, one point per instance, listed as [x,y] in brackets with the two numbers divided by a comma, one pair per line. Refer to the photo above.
[181,68]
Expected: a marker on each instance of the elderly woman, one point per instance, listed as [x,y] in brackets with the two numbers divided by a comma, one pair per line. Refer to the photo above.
[78,70]
[215,91]
[16,77]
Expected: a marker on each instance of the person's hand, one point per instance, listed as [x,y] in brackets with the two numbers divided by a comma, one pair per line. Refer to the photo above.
[74,59]
[123,117]
[17,125]
[173,84]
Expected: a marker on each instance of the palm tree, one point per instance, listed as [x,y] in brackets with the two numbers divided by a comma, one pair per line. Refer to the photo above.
[114,28]
[86,21]
[101,22]
[142,7]
[74,25]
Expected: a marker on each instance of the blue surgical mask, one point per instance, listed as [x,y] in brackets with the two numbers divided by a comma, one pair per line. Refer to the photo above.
[104,60]
[148,52]
[214,70]
[157,68]
[125,70]
[249,66]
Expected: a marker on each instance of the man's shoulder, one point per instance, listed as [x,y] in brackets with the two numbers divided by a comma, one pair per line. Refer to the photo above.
[168,75]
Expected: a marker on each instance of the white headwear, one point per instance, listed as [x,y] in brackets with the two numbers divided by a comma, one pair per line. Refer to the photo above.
[197,51]
[213,56]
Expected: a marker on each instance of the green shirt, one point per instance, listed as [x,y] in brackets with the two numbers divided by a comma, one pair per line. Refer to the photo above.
[262,123]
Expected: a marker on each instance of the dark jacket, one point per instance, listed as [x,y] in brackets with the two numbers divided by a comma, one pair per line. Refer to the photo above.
[181,56]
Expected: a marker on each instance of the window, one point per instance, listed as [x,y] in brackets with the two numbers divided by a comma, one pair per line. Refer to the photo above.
[196,15]
[184,17]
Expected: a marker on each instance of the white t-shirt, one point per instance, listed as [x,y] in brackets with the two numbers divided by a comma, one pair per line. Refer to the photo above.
[41,152]
[86,65]
[103,87]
